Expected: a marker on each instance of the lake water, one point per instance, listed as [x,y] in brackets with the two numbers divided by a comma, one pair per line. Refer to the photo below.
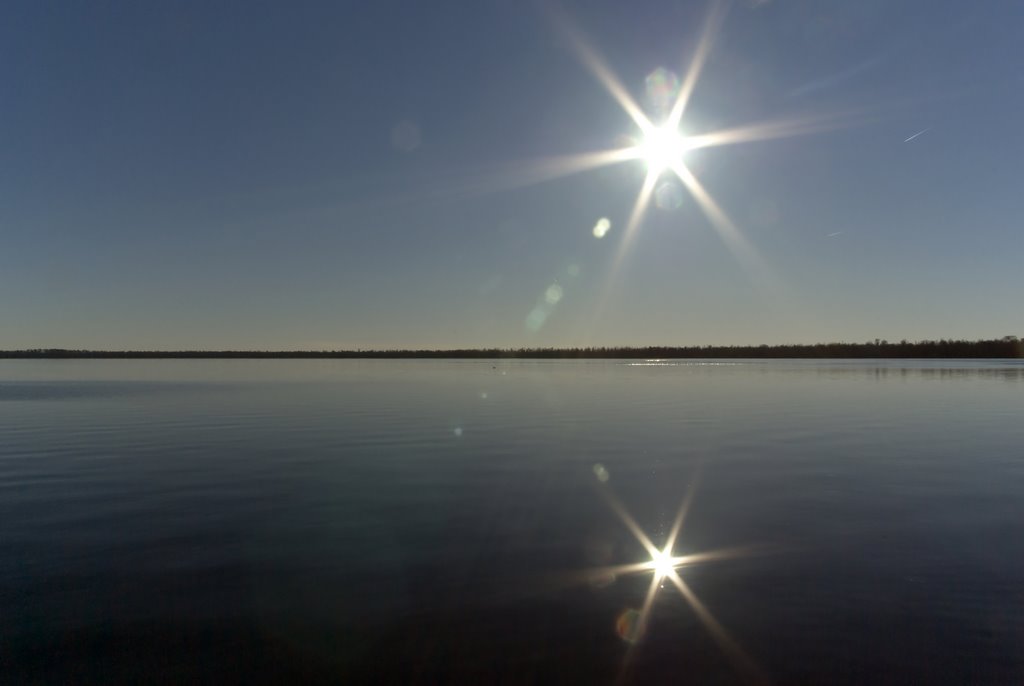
[421,521]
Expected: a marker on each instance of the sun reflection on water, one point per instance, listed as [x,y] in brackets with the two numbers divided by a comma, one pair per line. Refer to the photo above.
[664,565]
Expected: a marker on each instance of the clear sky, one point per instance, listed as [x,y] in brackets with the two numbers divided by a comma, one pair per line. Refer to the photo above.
[267,175]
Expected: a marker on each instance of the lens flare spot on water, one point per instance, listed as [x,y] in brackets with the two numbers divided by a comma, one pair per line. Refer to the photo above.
[553,294]
[662,87]
[573,270]
[602,227]
[629,626]
[601,473]
[602,580]
[668,196]
[483,395]
[457,431]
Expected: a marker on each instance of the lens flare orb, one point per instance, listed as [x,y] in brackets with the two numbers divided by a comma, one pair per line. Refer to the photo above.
[662,86]
[668,196]
[630,626]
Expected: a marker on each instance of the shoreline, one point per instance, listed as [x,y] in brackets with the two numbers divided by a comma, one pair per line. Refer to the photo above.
[1005,348]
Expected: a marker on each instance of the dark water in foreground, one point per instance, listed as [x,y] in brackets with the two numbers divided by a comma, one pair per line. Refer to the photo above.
[440,521]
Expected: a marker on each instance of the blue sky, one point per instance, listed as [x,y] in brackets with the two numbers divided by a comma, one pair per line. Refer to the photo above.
[343,175]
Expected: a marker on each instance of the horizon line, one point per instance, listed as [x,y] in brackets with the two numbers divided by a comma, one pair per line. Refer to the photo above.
[1006,346]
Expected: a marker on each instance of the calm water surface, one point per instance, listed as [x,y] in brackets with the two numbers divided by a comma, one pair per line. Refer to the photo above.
[441,521]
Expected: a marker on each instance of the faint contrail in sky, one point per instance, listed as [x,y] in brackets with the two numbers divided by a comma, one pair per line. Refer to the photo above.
[836,78]
[915,135]
[834,234]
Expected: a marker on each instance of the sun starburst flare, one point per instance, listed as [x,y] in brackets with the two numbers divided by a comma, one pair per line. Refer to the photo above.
[663,143]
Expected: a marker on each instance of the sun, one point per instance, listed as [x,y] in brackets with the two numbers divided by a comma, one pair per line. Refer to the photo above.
[662,148]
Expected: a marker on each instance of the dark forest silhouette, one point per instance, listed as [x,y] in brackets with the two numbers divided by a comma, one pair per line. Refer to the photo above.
[1006,347]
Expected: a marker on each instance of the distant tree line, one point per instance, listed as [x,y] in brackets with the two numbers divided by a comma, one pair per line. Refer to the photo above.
[1006,347]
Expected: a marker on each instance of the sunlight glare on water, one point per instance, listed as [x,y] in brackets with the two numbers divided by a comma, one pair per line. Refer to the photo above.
[847,511]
